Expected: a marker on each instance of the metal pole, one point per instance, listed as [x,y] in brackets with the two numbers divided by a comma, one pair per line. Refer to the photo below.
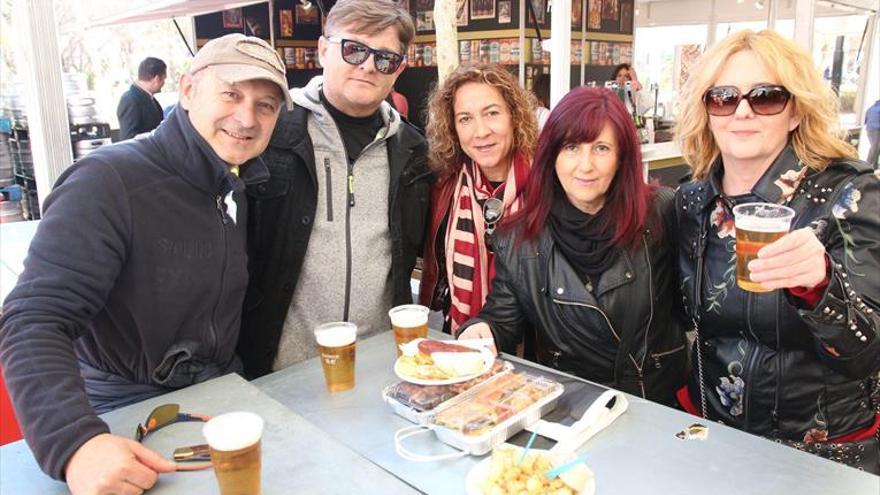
[522,43]
[560,50]
[804,12]
[48,125]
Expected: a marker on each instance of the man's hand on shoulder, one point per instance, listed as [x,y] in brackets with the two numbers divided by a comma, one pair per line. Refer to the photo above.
[110,464]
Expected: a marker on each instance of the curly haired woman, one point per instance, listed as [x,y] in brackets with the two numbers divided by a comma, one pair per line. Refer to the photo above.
[481,136]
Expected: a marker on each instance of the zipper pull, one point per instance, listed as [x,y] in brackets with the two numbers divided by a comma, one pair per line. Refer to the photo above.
[351,190]
[221,209]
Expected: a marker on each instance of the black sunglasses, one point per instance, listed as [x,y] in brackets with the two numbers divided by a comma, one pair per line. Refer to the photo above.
[765,99]
[165,415]
[493,210]
[355,53]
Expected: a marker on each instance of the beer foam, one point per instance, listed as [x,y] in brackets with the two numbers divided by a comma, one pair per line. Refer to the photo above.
[336,336]
[411,315]
[763,224]
[233,431]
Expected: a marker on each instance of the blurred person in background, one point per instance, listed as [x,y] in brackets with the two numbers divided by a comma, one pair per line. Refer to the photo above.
[138,111]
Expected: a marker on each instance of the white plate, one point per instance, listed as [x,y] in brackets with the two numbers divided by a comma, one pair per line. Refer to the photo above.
[481,472]
[488,360]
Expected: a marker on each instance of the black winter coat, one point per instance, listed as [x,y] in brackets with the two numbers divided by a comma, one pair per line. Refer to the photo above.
[138,112]
[771,365]
[282,211]
[624,332]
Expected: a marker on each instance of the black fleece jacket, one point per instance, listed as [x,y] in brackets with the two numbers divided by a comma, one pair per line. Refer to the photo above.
[137,272]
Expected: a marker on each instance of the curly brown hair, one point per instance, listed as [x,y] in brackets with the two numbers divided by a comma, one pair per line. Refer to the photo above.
[445,154]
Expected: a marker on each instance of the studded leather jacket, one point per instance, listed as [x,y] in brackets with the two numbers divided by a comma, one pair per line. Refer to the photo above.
[766,362]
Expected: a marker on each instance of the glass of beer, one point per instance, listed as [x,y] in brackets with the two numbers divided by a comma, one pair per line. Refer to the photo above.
[410,322]
[336,349]
[234,441]
[757,224]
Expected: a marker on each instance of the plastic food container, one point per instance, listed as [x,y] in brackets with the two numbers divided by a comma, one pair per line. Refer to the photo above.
[485,416]
[417,403]
[488,415]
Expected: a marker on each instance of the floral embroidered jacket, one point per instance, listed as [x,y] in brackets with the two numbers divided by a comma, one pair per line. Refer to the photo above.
[770,365]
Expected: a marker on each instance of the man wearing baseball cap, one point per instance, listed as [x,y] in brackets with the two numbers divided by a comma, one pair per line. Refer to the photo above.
[135,278]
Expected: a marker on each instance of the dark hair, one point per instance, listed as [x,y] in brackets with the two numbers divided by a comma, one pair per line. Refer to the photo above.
[150,68]
[618,68]
[541,88]
[580,117]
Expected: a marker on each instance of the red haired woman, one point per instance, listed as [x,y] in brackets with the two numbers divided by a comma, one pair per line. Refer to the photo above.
[588,262]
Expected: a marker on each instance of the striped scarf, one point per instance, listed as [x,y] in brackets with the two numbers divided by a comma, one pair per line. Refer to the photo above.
[469,267]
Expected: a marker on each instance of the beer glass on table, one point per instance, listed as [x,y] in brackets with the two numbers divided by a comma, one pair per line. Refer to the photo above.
[336,343]
[234,441]
[757,224]
[410,322]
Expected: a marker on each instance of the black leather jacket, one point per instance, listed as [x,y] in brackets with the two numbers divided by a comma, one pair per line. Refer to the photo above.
[771,365]
[625,333]
[280,225]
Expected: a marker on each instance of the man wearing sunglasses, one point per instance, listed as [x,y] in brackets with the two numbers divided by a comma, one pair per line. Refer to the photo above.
[341,221]
[134,281]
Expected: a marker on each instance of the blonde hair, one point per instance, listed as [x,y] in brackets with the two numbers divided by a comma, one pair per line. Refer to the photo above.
[445,153]
[815,141]
[371,17]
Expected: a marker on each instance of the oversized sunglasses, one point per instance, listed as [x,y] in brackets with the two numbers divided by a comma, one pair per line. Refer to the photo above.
[165,415]
[493,210]
[765,99]
[355,53]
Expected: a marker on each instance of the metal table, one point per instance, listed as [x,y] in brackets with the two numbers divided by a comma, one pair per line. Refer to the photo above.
[297,456]
[638,454]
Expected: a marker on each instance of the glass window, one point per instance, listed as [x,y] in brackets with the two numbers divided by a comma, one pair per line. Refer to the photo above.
[662,55]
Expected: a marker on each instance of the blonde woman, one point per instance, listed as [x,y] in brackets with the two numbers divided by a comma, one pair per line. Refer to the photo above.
[797,364]
[481,136]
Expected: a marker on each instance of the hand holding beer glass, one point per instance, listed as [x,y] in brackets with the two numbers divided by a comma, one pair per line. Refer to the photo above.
[410,322]
[234,440]
[757,225]
[336,343]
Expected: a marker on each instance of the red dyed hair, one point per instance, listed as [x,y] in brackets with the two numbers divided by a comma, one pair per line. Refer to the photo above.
[580,117]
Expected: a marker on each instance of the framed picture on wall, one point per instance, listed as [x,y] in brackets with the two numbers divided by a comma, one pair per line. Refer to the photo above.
[425,21]
[626,17]
[540,10]
[461,13]
[576,13]
[610,10]
[232,19]
[504,16]
[307,15]
[482,9]
[285,18]
[594,16]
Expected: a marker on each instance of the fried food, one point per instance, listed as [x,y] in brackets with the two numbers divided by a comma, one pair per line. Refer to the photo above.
[509,476]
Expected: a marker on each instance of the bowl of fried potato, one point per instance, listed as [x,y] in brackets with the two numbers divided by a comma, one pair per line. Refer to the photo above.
[503,474]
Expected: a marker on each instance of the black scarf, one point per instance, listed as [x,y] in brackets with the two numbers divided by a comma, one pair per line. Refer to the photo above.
[580,238]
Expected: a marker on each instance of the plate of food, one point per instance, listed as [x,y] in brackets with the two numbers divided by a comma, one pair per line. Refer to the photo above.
[503,474]
[435,362]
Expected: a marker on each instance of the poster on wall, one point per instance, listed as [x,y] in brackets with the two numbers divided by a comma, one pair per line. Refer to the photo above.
[686,57]
[461,13]
[576,13]
[504,16]
[626,17]
[306,15]
[482,9]
[232,19]
[425,21]
[540,10]
[594,19]
[610,10]
[286,20]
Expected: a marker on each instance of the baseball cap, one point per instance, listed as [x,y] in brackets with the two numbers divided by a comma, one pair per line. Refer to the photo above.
[236,57]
